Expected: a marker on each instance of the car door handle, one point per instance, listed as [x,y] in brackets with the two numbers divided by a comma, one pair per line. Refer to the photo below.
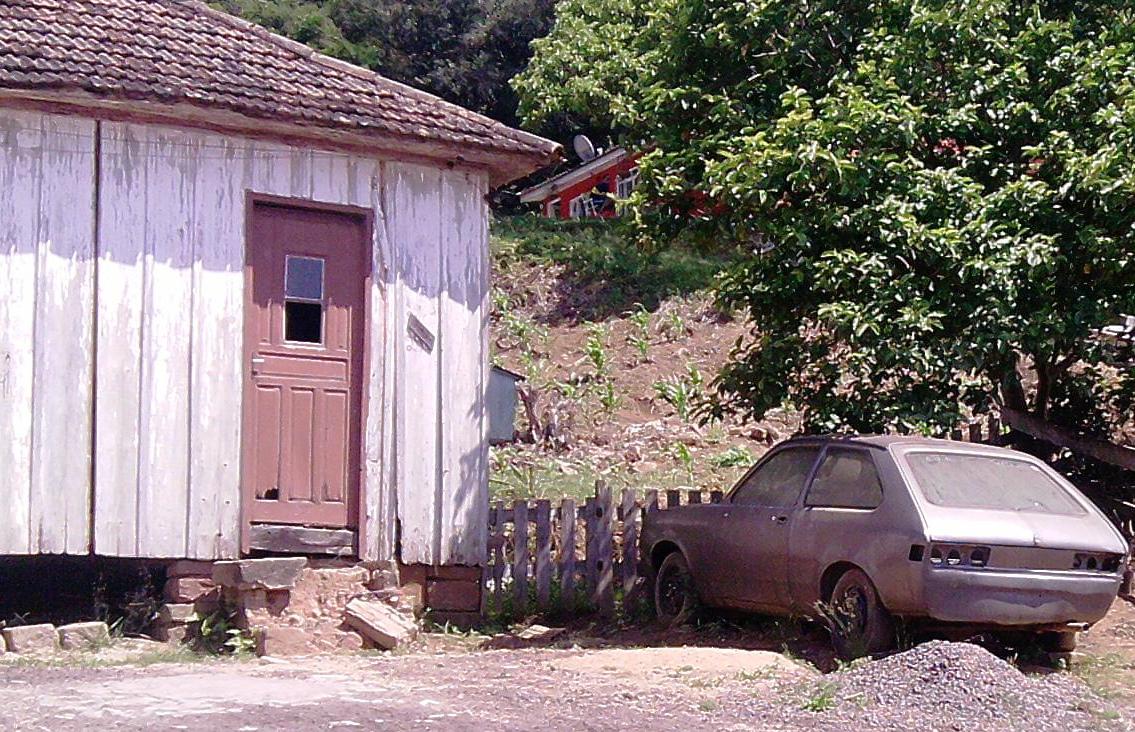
[779,519]
[725,514]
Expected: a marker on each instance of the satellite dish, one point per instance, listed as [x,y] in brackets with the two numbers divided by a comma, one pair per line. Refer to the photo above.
[584,148]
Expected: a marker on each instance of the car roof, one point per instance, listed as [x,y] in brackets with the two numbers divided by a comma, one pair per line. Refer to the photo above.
[884,442]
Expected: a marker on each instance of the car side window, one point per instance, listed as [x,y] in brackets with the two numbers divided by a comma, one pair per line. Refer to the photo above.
[846,478]
[779,480]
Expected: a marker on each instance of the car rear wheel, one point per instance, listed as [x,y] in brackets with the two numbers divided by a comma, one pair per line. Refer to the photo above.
[675,599]
[859,624]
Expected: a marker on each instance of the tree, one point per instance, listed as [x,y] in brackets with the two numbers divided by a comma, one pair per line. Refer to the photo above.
[937,194]
[464,51]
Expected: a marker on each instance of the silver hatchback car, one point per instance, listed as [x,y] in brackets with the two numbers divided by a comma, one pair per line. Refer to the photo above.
[861,530]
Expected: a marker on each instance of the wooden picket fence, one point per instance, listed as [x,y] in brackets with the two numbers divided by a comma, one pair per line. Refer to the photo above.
[548,558]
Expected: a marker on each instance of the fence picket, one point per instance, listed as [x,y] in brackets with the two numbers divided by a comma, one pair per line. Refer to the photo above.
[673,498]
[543,553]
[591,549]
[567,551]
[604,597]
[520,555]
[651,501]
[716,496]
[693,497]
[975,431]
[629,562]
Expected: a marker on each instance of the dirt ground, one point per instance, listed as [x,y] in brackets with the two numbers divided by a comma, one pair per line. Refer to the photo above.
[716,677]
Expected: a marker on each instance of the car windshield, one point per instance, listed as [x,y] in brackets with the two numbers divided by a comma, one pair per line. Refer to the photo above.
[990,482]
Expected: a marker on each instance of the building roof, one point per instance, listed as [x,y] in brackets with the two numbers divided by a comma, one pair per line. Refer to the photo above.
[185,53]
[553,185]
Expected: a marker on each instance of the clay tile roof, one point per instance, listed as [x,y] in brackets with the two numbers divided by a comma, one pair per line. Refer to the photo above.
[173,51]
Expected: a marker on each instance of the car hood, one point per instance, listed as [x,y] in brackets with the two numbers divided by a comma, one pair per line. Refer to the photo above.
[1089,532]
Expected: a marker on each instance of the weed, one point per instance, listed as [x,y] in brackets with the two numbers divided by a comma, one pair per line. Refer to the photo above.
[217,633]
[674,325]
[734,457]
[843,624]
[679,393]
[822,698]
[707,705]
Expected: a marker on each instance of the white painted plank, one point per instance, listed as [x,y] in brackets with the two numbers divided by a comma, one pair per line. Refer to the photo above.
[379,467]
[19,221]
[59,510]
[415,228]
[329,177]
[216,384]
[119,337]
[163,492]
[464,359]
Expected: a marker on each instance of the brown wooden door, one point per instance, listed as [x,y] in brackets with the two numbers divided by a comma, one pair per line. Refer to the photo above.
[305,313]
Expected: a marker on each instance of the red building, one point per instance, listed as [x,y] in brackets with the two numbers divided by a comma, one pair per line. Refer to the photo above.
[591,190]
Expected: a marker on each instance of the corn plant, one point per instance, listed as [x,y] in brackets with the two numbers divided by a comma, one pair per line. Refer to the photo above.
[595,349]
[639,337]
[674,325]
[609,396]
[686,458]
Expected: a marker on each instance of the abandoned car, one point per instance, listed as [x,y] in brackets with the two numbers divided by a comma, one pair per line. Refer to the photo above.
[858,531]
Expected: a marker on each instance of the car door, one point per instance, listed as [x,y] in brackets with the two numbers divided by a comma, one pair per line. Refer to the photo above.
[838,520]
[750,551]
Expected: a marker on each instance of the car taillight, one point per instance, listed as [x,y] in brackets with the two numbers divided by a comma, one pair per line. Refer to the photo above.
[947,555]
[1097,562]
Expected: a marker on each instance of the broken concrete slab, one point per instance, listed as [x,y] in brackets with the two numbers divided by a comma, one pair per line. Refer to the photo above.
[540,633]
[259,574]
[83,636]
[380,624]
[31,638]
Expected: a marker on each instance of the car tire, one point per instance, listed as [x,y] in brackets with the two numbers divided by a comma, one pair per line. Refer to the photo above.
[1059,641]
[675,599]
[859,624]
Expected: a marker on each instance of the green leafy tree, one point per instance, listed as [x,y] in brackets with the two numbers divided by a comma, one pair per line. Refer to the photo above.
[462,50]
[937,195]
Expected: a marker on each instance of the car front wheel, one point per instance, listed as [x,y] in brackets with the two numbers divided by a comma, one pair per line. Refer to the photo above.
[859,624]
[675,600]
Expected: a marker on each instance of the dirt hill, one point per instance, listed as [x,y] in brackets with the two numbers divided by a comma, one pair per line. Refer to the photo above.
[619,348]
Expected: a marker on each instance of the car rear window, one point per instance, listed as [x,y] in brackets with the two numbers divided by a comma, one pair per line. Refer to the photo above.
[989,482]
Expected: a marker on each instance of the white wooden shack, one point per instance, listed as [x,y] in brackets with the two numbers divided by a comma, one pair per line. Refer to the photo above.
[243,293]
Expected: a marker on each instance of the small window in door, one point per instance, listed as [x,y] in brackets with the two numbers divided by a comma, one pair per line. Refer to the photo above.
[303,299]
[846,479]
[779,480]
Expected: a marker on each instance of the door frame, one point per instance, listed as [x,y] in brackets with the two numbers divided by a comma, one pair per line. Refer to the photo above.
[367,218]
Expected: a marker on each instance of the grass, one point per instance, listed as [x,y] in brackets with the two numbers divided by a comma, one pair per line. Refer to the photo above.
[516,474]
[822,698]
[599,258]
[96,660]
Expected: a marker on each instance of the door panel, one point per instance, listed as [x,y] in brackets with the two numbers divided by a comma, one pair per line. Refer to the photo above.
[752,546]
[307,271]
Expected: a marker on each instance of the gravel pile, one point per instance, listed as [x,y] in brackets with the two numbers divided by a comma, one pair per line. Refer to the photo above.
[960,686]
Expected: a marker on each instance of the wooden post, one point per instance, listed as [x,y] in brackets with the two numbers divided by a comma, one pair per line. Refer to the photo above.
[694,497]
[604,597]
[716,496]
[995,429]
[591,547]
[975,432]
[520,554]
[629,564]
[673,498]
[956,435]
[543,553]
[567,552]
[498,554]
[652,500]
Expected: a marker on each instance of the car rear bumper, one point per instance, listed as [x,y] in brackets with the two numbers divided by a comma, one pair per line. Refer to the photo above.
[1017,597]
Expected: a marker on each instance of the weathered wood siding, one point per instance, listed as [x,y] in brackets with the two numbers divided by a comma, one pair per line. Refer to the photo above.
[47,185]
[168,383]
[436,222]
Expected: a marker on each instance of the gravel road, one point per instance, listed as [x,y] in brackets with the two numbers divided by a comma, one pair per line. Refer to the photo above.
[936,686]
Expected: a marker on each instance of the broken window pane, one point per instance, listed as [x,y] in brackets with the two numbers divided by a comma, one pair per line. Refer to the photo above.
[303,322]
